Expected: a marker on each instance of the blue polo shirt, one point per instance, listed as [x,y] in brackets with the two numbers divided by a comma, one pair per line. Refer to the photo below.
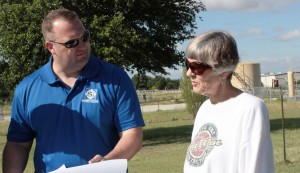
[71,126]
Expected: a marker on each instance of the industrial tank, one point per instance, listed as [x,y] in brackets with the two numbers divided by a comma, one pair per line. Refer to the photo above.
[247,76]
[291,84]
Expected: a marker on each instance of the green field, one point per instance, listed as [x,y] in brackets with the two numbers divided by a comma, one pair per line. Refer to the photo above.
[167,136]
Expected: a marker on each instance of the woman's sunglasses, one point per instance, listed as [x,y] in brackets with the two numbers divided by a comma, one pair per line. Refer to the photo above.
[74,42]
[196,67]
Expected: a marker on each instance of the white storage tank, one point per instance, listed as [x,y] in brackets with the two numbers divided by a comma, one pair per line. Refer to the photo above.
[247,76]
[291,84]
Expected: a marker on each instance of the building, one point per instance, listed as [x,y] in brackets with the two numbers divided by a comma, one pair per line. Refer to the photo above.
[279,80]
[248,78]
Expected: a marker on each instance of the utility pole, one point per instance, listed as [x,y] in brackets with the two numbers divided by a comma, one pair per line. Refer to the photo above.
[283,127]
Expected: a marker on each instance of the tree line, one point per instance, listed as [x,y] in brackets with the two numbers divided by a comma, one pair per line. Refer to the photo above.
[192,100]
[139,36]
[144,82]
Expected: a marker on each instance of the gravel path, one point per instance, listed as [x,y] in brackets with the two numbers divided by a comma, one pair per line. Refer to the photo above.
[152,108]
[147,108]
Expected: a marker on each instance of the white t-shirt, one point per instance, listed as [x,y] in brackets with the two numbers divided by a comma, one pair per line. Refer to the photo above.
[231,137]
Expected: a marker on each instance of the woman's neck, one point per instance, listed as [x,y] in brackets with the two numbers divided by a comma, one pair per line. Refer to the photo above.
[225,92]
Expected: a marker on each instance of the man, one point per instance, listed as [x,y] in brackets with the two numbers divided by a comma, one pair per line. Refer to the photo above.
[79,108]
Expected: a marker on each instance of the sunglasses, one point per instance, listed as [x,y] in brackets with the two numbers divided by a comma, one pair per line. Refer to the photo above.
[196,67]
[74,42]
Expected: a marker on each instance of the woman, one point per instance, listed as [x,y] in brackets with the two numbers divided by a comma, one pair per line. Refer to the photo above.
[231,130]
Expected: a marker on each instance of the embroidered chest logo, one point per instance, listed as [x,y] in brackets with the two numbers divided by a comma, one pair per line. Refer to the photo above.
[202,144]
[90,96]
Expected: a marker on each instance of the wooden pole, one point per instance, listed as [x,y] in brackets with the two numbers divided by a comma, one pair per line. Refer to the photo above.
[283,127]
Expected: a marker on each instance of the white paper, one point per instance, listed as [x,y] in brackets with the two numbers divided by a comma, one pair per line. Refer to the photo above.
[108,166]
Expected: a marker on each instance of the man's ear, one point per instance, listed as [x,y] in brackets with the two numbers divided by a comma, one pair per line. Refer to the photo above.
[49,46]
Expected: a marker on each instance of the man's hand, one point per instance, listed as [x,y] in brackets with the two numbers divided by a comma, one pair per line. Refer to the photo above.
[97,158]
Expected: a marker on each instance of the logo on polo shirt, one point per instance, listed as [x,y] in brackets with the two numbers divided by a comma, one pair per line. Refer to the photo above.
[203,143]
[90,96]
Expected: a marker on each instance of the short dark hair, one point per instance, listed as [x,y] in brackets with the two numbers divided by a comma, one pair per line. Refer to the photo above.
[53,15]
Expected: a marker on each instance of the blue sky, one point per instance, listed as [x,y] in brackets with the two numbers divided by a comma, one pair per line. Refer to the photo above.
[267,31]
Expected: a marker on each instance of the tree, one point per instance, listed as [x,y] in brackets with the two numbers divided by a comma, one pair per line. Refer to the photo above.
[172,84]
[21,44]
[136,35]
[4,92]
[143,82]
[160,82]
[193,100]
[140,81]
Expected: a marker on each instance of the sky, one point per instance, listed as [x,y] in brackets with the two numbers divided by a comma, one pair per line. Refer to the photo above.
[266,31]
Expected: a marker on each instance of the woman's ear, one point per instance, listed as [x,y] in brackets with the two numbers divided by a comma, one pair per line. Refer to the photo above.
[226,75]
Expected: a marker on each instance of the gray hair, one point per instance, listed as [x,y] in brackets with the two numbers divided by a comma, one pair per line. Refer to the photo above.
[215,48]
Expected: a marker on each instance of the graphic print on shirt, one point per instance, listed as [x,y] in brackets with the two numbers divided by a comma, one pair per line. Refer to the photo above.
[90,96]
[203,143]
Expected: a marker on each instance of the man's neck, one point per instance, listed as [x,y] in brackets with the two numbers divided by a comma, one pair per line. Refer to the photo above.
[68,77]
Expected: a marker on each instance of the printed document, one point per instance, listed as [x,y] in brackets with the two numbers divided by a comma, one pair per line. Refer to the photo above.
[108,166]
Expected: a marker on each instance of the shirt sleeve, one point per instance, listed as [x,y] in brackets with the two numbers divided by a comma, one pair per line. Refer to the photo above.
[256,153]
[128,112]
[19,129]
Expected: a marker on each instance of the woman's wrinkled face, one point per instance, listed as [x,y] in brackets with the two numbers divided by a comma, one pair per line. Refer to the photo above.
[207,83]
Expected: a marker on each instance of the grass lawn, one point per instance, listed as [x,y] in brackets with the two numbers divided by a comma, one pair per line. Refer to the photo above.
[167,136]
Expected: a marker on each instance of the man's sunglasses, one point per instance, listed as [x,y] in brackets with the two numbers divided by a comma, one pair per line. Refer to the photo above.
[74,42]
[196,67]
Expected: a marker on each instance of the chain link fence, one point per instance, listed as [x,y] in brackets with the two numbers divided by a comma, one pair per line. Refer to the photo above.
[174,96]
[164,97]
[148,97]
[266,93]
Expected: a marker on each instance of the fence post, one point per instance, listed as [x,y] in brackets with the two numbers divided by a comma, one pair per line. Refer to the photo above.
[158,100]
[1,113]
[283,127]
